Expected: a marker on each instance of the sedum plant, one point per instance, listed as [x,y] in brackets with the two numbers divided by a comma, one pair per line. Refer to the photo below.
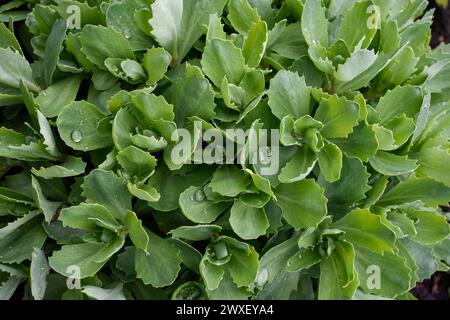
[97,96]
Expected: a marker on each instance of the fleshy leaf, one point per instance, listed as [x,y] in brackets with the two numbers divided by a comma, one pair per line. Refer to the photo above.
[303,203]
[186,18]
[197,208]
[248,222]
[78,125]
[105,188]
[160,266]
[288,95]
[229,181]
[367,230]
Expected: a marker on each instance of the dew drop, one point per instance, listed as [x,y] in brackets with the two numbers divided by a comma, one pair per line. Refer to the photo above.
[127,34]
[76,136]
[199,196]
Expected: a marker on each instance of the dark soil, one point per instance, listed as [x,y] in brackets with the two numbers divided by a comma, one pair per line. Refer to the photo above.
[441,25]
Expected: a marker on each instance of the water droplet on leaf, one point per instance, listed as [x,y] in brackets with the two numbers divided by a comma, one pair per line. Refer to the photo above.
[199,196]
[127,34]
[76,136]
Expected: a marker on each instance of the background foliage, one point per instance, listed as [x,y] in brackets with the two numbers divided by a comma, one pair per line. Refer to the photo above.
[88,115]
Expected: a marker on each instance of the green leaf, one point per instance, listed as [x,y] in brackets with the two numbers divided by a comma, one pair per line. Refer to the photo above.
[274,261]
[391,164]
[338,278]
[52,100]
[88,257]
[186,18]
[90,217]
[361,143]
[401,100]
[284,285]
[113,45]
[255,44]
[18,244]
[160,109]
[228,290]
[170,186]
[48,208]
[423,263]
[13,145]
[138,164]
[434,163]
[402,128]
[215,28]
[355,66]
[285,41]
[211,274]
[393,273]
[15,68]
[431,227]
[197,208]
[136,231]
[248,222]
[289,95]
[303,203]
[229,181]
[299,167]
[190,256]
[107,189]
[330,162]
[222,58]
[359,25]
[195,233]
[10,227]
[242,16]
[429,191]
[144,192]
[78,124]
[367,230]
[339,117]
[8,39]
[53,48]
[9,287]
[349,189]
[200,101]
[405,224]
[243,267]
[155,62]
[160,266]
[399,70]
[314,23]
[305,260]
[71,167]
[360,73]
[115,293]
[39,270]
[121,17]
